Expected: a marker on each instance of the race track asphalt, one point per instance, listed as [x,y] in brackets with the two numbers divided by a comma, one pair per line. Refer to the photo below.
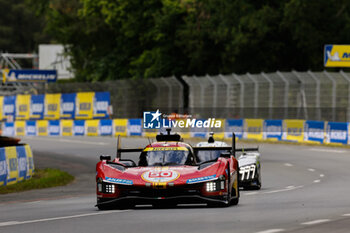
[305,189]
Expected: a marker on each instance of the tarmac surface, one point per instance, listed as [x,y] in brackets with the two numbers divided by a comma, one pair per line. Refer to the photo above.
[305,189]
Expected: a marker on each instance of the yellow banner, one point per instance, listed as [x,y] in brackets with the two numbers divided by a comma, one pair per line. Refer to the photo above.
[120,127]
[84,104]
[22,107]
[91,127]
[30,161]
[337,56]
[42,126]
[219,132]
[20,128]
[52,106]
[293,130]
[12,164]
[67,127]
[1,107]
[254,129]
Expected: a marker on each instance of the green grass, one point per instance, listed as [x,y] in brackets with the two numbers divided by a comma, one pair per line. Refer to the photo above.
[42,178]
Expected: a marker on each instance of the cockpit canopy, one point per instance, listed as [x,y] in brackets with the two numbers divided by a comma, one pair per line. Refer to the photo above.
[166,156]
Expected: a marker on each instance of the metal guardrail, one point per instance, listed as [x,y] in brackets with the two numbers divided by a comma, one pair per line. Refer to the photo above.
[280,95]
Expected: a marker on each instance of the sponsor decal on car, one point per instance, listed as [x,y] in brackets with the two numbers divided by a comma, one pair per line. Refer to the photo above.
[119,181]
[200,179]
[156,176]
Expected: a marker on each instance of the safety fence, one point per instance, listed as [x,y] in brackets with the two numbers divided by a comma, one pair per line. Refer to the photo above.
[322,96]
[16,164]
[81,105]
[293,130]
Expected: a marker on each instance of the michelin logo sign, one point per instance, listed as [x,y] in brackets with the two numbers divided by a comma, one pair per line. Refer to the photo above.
[154,120]
[337,56]
[29,75]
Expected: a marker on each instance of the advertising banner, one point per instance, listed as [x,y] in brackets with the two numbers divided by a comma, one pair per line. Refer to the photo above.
[219,133]
[102,101]
[22,107]
[253,129]
[9,108]
[12,164]
[293,130]
[337,56]
[30,128]
[91,127]
[42,127]
[106,127]
[68,105]
[120,127]
[84,105]
[1,108]
[199,132]
[54,128]
[66,127]
[314,131]
[37,107]
[79,128]
[134,127]
[22,163]
[20,127]
[337,132]
[30,161]
[9,129]
[3,167]
[52,106]
[234,125]
[29,75]
[273,130]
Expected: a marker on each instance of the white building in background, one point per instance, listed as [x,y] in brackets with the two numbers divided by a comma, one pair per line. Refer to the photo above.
[52,56]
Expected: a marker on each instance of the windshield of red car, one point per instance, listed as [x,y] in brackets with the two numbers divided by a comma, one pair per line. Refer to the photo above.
[164,156]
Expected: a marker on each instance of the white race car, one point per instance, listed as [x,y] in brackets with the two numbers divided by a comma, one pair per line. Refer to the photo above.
[248,161]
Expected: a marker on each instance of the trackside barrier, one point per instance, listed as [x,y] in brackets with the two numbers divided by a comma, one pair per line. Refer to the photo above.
[16,164]
[81,105]
[255,129]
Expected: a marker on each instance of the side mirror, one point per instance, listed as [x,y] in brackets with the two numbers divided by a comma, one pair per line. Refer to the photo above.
[225,155]
[105,157]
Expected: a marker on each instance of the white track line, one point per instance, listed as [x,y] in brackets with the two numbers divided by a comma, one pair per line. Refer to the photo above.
[11,223]
[328,150]
[317,181]
[346,215]
[71,141]
[250,193]
[288,165]
[311,169]
[272,231]
[283,190]
[316,222]
[321,175]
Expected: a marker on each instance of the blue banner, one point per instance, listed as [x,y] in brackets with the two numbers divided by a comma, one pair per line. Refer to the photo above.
[29,75]
[337,132]
[314,131]
[54,128]
[102,101]
[68,105]
[3,167]
[9,129]
[79,128]
[30,128]
[273,129]
[199,132]
[9,108]
[22,162]
[134,127]
[37,107]
[106,127]
[235,126]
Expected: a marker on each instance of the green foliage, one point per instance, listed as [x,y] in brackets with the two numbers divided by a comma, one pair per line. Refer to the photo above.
[42,178]
[114,39]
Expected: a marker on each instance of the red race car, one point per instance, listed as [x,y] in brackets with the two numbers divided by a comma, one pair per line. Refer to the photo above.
[168,173]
